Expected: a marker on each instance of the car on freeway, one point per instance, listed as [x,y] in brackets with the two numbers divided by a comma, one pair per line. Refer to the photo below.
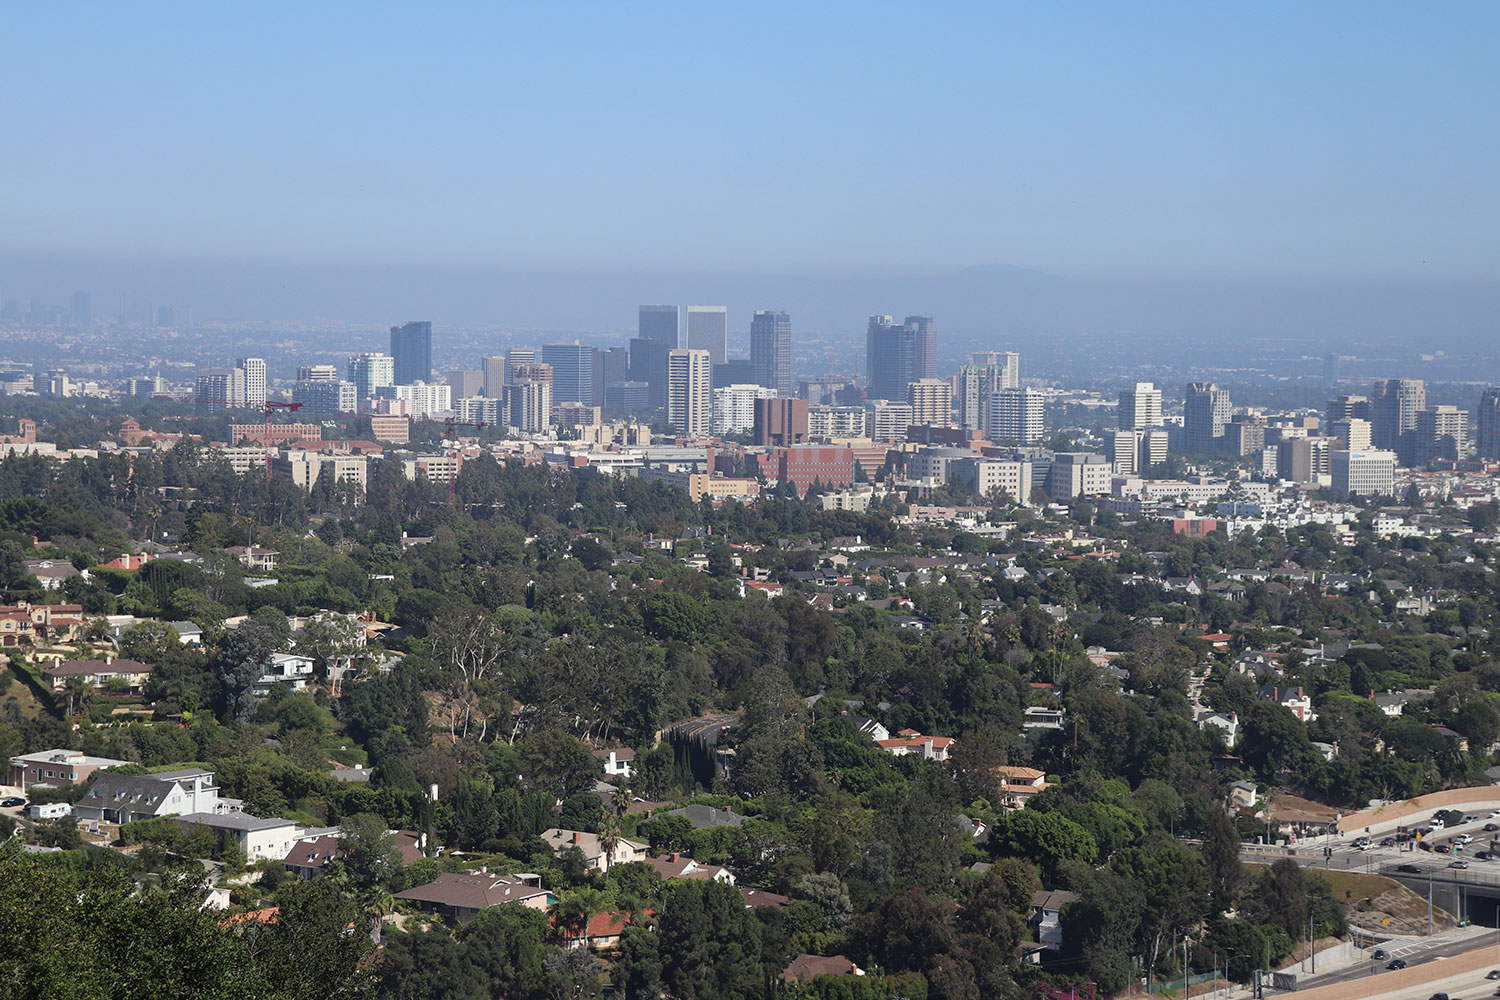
[1484,856]
[1471,819]
[1464,838]
[1409,869]
[1378,954]
[1458,864]
[1388,842]
[1439,996]
[1395,963]
[1491,827]
[1492,974]
[12,802]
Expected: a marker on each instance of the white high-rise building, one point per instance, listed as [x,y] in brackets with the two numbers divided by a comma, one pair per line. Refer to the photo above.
[219,388]
[531,405]
[734,407]
[889,421]
[708,330]
[422,398]
[986,374]
[828,422]
[931,401]
[689,378]
[1364,473]
[255,380]
[318,373]
[369,372]
[1017,416]
[1140,407]
[1133,452]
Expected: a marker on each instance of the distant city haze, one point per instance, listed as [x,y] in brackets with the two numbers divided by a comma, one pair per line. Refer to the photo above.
[1020,173]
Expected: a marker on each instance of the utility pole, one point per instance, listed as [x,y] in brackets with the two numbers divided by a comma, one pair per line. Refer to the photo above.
[1429,902]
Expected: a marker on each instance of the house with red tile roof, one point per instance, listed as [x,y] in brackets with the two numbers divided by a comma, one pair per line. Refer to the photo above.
[909,741]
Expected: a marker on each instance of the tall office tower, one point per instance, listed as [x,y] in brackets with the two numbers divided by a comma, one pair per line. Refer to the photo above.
[1306,459]
[1017,416]
[1140,407]
[318,373]
[519,356]
[496,374]
[986,374]
[780,422]
[572,372]
[1441,432]
[734,407]
[1135,452]
[632,397]
[896,355]
[411,346]
[888,359]
[530,405]
[369,372]
[656,335]
[219,389]
[534,371]
[1487,423]
[736,371]
[924,347]
[479,409]
[827,422]
[81,309]
[931,401]
[1244,436]
[771,350]
[1364,473]
[1205,409]
[466,383]
[689,403]
[1330,368]
[708,330]
[1009,363]
[325,397]
[1349,408]
[1353,434]
[1394,405]
[255,380]
[146,385]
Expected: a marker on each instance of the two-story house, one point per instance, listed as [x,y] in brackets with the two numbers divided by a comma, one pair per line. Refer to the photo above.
[594,854]
[909,741]
[120,798]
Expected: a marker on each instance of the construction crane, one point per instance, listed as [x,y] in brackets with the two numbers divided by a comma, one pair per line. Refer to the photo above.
[450,431]
[269,408]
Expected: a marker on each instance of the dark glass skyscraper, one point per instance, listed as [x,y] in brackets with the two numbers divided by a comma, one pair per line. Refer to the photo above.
[411,346]
[657,334]
[771,350]
[896,355]
[572,372]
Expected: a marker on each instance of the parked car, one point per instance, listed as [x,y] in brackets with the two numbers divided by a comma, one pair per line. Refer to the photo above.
[1396,963]
[1458,864]
[12,802]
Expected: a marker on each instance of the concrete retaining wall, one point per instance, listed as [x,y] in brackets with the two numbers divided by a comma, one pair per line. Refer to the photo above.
[1384,818]
[1412,979]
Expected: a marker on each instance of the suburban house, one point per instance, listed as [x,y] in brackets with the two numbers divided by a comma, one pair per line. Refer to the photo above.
[1042,717]
[99,673]
[594,855]
[617,761]
[677,866]
[55,767]
[122,798]
[1229,724]
[53,573]
[701,816]
[1046,916]
[44,622]
[805,967]
[309,858]
[909,741]
[1019,784]
[1292,698]
[460,896]
[291,669]
[188,633]
[602,931]
[760,897]
[1242,795]
[1392,703]
[258,838]
[254,558]
[870,727]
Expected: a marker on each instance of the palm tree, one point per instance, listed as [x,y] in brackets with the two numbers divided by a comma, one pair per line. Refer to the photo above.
[609,836]
[621,800]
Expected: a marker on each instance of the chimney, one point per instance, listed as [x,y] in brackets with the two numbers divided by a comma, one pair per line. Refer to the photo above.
[575,836]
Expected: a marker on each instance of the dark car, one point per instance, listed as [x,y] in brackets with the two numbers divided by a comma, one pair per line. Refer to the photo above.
[1438,996]
[1396,963]
[1492,974]
[1491,827]
[1485,856]
[1409,869]
[12,801]
[1379,954]
[1388,842]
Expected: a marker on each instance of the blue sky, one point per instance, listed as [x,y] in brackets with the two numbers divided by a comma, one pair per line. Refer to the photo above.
[1156,140]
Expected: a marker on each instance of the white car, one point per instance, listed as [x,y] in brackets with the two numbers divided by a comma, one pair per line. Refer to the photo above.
[1463,838]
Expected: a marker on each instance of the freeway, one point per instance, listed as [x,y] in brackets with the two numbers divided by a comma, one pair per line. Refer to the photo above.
[1413,951]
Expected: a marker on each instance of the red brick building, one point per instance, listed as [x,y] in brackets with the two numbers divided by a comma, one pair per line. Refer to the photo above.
[780,422]
[802,465]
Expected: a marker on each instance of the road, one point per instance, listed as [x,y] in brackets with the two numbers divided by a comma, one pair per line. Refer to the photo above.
[1415,952]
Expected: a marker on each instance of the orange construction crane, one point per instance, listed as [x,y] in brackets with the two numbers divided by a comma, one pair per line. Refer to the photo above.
[269,408]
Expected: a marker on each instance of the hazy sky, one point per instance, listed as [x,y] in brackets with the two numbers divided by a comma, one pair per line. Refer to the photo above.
[1109,140]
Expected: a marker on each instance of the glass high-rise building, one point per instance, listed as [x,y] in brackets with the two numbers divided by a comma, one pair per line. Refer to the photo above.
[1394,405]
[771,350]
[656,335]
[572,372]
[1487,424]
[369,372]
[708,330]
[1205,412]
[411,347]
[896,355]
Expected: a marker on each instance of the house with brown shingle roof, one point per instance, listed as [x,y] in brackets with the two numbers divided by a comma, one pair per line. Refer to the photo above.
[461,895]
[805,967]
